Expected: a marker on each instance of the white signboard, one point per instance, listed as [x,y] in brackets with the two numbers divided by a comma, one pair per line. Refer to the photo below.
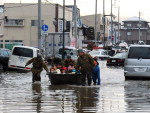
[60,25]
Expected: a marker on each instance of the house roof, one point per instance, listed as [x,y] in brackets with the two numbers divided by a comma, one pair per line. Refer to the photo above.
[134,19]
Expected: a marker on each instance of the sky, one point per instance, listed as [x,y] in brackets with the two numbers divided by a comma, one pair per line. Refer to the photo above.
[128,8]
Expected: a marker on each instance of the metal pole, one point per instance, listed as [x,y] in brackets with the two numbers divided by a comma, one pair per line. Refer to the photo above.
[118,23]
[104,22]
[39,24]
[95,22]
[111,23]
[139,27]
[63,55]
[75,24]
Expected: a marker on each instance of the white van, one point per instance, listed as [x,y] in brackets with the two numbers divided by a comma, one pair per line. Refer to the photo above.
[137,63]
[20,55]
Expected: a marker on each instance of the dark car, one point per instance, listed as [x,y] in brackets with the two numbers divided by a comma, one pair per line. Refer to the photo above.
[4,58]
[117,60]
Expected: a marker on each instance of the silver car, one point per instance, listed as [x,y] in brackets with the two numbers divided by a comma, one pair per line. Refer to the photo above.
[137,63]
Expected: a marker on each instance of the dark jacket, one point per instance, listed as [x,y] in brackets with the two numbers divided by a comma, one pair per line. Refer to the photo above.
[85,62]
[38,64]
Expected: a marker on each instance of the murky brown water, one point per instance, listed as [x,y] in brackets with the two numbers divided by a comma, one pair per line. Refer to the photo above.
[114,95]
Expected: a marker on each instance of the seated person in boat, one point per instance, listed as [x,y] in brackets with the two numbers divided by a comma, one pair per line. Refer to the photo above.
[54,69]
[69,61]
[62,68]
[71,69]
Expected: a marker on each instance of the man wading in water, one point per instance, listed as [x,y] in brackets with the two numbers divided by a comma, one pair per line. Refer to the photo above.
[38,65]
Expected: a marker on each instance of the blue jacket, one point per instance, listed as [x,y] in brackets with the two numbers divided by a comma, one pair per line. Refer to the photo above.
[96,75]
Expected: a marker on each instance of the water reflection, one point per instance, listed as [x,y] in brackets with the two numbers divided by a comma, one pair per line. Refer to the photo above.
[137,95]
[79,99]
[37,95]
[87,99]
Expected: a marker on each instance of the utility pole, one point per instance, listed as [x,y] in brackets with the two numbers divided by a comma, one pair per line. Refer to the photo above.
[95,22]
[63,52]
[139,27]
[111,24]
[118,23]
[75,24]
[39,24]
[104,22]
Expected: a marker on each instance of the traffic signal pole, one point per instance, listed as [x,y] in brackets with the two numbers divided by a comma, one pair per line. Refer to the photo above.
[39,24]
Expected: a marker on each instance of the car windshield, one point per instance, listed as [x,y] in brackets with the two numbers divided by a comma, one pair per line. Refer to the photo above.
[25,52]
[120,55]
[139,52]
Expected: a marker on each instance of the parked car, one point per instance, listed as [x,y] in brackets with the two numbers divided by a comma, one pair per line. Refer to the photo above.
[99,54]
[4,58]
[137,63]
[20,55]
[117,60]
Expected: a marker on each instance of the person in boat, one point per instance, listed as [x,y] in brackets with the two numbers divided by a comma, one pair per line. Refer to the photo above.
[69,61]
[62,68]
[71,69]
[38,65]
[96,73]
[54,69]
[85,64]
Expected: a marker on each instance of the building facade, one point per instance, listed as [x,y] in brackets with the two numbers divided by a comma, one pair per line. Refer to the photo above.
[19,22]
[135,29]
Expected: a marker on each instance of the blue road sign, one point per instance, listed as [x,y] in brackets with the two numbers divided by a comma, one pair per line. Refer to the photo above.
[45,27]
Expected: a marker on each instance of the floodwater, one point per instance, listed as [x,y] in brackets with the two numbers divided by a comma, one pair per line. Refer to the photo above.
[114,95]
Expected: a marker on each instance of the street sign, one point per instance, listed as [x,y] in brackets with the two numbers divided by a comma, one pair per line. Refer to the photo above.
[45,27]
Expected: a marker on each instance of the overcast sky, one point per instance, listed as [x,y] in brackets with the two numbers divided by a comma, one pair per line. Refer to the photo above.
[128,8]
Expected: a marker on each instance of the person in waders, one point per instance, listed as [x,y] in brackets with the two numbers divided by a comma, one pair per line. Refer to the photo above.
[38,65]
[85,65]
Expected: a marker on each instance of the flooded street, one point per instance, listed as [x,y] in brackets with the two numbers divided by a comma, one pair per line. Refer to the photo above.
[114,95]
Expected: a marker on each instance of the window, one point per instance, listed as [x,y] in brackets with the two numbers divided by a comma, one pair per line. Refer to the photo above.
[139,52]
[14,22]
[139,25]
[6,40]
[129,25]
[10,43]
[35,22]
[25,52]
